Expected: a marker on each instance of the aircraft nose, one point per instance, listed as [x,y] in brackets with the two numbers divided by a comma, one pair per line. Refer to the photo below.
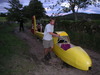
[90,68]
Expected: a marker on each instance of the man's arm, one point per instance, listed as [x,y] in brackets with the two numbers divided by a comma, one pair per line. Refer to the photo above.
[54,34]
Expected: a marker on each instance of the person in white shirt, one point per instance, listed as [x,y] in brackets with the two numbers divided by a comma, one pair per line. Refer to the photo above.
[48,40]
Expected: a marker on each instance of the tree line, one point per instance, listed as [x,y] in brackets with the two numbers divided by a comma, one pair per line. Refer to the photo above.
[72,5]
[35,7]
[2,14]
[81,16]
[18,11]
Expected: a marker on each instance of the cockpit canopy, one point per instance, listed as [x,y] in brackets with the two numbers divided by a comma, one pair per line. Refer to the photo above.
[63,37]
[62,33]
[63,40]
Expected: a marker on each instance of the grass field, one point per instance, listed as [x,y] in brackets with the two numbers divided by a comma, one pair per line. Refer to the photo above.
[13,53]
[2,19]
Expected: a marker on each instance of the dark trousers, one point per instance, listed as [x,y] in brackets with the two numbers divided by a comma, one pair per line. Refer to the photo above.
[21,28]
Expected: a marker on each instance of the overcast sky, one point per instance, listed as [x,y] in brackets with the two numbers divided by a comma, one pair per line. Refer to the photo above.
[90,9]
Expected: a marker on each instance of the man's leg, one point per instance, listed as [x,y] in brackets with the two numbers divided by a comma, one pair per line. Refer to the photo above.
[50,49]
[49,53]
[19,27]
[46,50]
[46,59]
[22,27]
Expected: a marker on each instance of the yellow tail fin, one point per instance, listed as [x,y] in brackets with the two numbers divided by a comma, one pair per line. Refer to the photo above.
[34,23]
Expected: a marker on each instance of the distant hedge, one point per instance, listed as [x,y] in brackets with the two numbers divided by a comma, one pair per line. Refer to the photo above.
[83,33]
[79,26]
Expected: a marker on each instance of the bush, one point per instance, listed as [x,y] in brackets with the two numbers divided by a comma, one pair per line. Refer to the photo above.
[83,33]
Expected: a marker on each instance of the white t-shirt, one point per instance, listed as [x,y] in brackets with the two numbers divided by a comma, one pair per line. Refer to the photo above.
[47,35]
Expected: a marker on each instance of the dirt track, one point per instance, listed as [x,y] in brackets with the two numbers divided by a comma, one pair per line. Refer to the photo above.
[55,68]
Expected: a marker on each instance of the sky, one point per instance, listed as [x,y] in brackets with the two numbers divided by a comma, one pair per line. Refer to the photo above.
[89,10]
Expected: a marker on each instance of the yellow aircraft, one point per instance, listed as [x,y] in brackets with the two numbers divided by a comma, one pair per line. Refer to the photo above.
[67,52]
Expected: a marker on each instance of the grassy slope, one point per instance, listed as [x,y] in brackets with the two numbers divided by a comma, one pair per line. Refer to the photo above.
[2,19]
[14,55]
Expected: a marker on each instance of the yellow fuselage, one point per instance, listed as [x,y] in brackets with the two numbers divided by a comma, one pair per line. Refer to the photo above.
[74,56]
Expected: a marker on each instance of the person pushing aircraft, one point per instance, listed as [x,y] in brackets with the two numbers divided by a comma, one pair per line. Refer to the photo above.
[48,40]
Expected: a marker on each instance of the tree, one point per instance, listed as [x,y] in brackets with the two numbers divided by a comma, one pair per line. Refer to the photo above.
[15,10]
[72,5]
[35,8]
[79,4]
[2,14]
[26,12]
[96,3]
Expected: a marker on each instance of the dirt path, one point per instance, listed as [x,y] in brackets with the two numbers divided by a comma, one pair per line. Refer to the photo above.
[36,52]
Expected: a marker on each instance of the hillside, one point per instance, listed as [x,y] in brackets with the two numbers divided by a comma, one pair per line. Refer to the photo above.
[81,16]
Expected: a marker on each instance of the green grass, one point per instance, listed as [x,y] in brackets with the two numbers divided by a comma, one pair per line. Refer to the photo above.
[97,21]
[86,40]
[13,53]
[2,19]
